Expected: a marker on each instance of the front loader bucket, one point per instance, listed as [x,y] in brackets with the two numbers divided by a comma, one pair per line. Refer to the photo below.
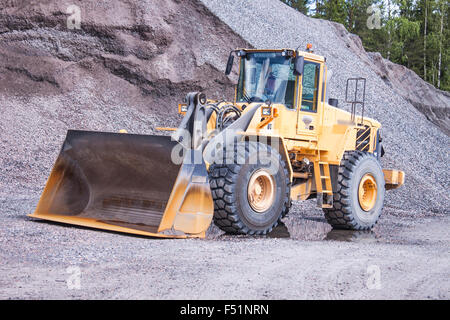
[127,183]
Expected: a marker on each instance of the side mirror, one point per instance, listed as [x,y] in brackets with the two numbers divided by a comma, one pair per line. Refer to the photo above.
[299,64]
[229,64]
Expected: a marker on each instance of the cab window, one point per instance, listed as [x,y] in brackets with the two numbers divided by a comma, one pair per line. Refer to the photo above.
[310,86]
[267,76]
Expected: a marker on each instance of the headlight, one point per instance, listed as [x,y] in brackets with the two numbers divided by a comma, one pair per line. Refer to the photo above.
[182,108]
[266,111]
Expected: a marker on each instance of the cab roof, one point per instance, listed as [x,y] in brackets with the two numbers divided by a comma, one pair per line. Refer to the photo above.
[309,55]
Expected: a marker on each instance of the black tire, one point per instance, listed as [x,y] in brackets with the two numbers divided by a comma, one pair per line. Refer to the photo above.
[347,213]
[229,182]
[288,206]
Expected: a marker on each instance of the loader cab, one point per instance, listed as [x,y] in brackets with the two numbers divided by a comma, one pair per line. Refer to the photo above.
[284,77]
[267,76]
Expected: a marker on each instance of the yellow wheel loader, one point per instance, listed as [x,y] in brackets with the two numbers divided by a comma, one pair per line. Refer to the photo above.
[238,163]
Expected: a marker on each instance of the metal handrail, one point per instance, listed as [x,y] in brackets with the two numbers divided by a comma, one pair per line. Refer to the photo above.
[355,101]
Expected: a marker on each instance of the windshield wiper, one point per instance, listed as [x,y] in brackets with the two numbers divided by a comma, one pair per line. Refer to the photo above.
[245,96]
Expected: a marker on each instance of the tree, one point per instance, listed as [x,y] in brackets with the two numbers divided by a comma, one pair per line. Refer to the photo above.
[400,30]
[414,33]
[300,5]
[425,40]
[442,10]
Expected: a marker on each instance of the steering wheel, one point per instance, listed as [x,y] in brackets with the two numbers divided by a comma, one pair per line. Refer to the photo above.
[256,99]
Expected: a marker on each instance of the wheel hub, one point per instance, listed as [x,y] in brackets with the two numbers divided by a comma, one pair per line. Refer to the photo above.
[261,191]
[367,192]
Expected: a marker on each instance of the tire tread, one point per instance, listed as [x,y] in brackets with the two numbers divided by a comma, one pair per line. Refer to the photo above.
[341,216]
[223,179]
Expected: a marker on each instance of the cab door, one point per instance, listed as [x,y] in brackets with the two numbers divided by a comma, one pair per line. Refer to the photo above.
[309,98]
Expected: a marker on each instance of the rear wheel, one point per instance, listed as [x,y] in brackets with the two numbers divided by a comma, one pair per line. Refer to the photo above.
[358,200]
[250,189]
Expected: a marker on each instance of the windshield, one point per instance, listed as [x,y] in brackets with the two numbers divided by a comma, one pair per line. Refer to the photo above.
[266,76]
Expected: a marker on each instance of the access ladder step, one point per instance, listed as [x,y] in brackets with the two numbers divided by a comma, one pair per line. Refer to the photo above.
[325,200]
[323,184]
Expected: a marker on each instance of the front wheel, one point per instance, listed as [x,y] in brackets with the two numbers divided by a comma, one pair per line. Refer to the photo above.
[358,200]
[250,189]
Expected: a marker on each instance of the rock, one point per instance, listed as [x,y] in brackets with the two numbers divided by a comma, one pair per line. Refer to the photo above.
[432,102]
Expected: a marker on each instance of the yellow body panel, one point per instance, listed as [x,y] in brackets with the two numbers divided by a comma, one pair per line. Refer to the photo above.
[96,224]
[302,191]
[393,179]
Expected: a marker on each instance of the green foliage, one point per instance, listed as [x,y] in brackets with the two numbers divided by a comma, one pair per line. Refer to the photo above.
[401,31]
[401,35]
[300,5]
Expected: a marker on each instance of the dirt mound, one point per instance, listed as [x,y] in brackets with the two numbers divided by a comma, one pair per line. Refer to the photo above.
[412,143]
[128,67]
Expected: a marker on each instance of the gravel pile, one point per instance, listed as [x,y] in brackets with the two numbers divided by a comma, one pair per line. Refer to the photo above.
[128,67]
[432,102]
[412,143]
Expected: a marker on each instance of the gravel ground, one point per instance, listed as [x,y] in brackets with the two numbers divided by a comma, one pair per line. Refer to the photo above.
[302,260]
